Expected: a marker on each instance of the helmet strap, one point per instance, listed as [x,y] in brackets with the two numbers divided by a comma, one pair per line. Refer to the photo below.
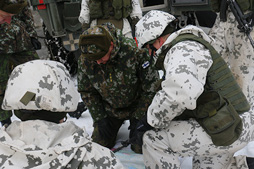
[152,53]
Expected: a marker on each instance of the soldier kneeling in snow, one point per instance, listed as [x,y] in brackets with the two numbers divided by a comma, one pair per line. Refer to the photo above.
[41,93]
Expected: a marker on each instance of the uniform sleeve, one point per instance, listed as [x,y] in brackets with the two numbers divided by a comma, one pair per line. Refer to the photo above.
[149,79]
[186,65]
[84,16]
[90,96]
[27,18]
[136,9]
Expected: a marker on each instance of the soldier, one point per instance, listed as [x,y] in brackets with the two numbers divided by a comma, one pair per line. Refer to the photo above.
[42,91]
[115,80]
[17,42]
[123,14]
[200,111]
[236,49]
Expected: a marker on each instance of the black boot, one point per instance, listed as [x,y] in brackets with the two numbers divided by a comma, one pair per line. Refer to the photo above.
[250,162]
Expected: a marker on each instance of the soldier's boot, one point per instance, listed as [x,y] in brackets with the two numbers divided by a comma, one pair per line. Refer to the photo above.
[250,162]
[106,142]
[136,148]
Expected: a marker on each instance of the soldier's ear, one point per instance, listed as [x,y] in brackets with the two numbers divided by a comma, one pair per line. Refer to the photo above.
[161,40]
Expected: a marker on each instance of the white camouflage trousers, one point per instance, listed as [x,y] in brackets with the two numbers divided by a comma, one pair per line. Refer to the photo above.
[162,149]
[235,48]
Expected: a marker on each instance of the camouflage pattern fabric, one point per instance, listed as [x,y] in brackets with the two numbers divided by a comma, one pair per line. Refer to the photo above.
[121,88]
[152,25]
[93,49]
[186,65]
[15,48]
[15,37]
[8,62]
[84,17]
[47,82]
[52,145]
[236,50]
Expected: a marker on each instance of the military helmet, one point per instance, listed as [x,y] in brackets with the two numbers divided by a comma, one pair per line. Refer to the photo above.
[12,6]
[152,25]
[95,42]
[41,85]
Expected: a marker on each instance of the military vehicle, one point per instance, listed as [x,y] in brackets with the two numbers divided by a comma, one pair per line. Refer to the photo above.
[195,12]
[62,29]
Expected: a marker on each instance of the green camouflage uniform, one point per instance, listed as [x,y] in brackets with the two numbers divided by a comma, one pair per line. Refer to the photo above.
[15,48]
[123,87]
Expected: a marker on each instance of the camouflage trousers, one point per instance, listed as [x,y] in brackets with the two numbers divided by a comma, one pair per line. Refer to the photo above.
[8,62]
[110,143]
[162,149]
[236,49]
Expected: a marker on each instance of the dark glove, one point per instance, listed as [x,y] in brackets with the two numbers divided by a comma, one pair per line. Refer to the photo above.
[6,122]
[132,127]
[85,26]
[80,109]
[105,127]
[141,127]
[36,43]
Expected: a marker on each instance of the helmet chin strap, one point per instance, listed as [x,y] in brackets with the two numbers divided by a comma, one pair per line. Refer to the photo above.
[152,53]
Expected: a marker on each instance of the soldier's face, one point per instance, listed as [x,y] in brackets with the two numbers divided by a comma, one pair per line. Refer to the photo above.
[157,44]
[5,17]
[105,58]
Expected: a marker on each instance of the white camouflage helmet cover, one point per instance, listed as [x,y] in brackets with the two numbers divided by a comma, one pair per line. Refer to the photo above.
[45,84]
[151,26]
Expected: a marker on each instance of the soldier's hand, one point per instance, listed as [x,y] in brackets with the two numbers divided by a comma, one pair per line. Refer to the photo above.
[141,127]
[85,26]
[132,127]
[36,43]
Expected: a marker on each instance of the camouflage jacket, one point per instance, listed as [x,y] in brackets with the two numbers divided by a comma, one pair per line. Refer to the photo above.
[52,145]
[123,87]
[15,37]
[186,65]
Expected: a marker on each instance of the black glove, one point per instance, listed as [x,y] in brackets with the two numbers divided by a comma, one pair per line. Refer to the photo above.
[80,109]
[132,127]
[6,122]
[141,127]
[85,26]
[36,43]
[105,127]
